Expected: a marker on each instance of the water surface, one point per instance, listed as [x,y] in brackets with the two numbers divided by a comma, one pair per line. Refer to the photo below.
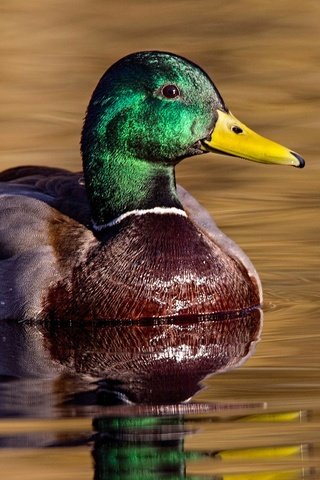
[260,421]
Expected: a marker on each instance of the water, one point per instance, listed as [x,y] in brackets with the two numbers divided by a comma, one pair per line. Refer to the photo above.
[261,421]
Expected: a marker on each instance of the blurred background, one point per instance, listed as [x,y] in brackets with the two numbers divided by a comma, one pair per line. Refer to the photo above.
[264,59]
[263,56]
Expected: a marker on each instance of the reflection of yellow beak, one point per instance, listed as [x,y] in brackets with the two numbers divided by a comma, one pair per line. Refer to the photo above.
[233,138]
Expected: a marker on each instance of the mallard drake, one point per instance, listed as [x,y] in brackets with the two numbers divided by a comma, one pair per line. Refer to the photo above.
[123,242]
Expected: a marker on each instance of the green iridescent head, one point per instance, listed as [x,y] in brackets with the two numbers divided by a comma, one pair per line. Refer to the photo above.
[149,111]
[155,106]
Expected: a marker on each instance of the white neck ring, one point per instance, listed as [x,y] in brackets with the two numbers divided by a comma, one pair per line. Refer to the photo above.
[156,210]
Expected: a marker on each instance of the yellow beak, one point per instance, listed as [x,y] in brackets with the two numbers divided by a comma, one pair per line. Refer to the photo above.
[232,137]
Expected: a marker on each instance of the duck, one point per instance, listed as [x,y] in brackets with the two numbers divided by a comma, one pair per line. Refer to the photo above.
[121,240]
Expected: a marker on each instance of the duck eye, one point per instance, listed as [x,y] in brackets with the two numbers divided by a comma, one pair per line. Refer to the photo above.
[170,91]
[236,129]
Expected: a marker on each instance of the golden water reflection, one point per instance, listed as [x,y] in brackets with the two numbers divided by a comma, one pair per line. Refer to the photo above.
[263,57]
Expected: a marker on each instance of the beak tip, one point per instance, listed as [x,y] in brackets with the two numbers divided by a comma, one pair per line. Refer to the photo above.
[301,161]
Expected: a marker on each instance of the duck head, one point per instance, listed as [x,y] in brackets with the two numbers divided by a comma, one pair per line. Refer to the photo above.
[148,112]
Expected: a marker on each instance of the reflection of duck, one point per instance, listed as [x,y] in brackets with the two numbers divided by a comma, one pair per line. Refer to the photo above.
[144,255]
[154,448]
[132,360]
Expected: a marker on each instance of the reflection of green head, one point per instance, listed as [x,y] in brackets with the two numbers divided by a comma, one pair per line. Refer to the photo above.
[147,113]
[148,448]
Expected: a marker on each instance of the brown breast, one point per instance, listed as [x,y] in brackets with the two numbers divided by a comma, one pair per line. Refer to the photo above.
[153,266]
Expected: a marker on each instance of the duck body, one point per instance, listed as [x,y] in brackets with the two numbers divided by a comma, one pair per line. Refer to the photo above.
[150,265]
[128,244]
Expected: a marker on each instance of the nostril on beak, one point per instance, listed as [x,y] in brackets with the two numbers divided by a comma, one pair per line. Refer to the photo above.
[237,130]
